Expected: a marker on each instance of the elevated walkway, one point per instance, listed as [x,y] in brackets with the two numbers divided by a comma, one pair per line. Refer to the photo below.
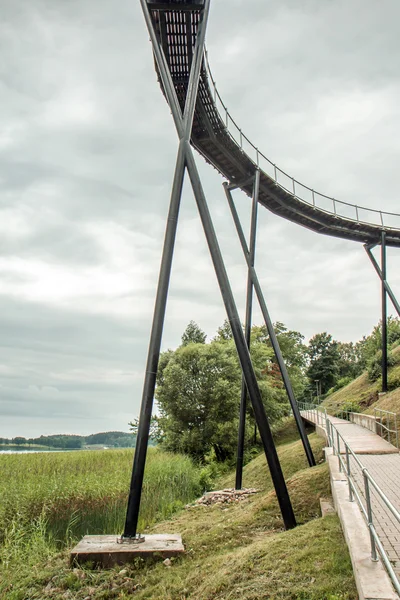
[360,440]
[223,144]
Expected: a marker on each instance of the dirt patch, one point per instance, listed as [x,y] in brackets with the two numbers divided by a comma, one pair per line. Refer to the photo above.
[226,496]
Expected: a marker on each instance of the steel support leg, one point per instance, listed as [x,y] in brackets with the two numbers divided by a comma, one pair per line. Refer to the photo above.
[154,350]
[247,333]
[385,291]
[241,346]
[271,331]
[384,281]
[384,316]
[184,126]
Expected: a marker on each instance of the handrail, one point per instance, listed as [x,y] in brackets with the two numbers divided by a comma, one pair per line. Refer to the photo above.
[391,418]
[293,186]
[338,443]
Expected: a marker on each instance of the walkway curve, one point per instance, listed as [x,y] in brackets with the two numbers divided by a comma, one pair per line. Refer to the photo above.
[223,144]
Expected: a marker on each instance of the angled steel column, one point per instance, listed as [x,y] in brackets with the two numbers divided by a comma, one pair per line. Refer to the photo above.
[271,331]
[385,291]
[247,332]
[184,126]
[377,268]
[384,316]
[241,346]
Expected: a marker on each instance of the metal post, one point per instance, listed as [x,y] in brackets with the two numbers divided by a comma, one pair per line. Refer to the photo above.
[338,449]
[349,473]
[154,351]
[271,331]
[384,316]
[249,309]
[374,556]
[184,126]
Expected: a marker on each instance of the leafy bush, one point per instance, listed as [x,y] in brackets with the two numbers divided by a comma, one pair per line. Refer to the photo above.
[393,380]
[341,383]
[349,406]
[208,475]
[375,365]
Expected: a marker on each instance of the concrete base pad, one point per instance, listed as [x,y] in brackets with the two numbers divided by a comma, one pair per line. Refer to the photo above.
[107,550]
[327,507]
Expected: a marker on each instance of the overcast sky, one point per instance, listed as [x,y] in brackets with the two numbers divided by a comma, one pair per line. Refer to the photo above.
[87,152]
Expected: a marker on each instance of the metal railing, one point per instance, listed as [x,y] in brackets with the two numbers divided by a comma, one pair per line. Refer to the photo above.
[313,409]
[345,457]
[300,191]
[385,422]
[386,425]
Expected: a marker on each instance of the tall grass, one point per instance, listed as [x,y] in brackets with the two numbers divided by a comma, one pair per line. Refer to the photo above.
[71,494]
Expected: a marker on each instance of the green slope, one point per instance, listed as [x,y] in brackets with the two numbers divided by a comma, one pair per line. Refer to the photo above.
[232,551]
[363,394]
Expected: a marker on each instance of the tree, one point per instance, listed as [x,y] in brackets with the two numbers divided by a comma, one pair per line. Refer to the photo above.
[349,360]
[324,361]
[193,335]
[224,332]
[370,346]
[18,441]
[198,394]
[293,350]
[155,434]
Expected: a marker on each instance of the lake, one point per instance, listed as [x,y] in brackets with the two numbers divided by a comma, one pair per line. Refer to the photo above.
[33,450]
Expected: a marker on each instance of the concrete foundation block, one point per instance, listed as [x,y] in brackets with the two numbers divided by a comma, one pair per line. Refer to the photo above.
[107,550]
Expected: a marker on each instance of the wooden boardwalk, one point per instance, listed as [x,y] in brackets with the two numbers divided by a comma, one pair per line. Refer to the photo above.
[383,463]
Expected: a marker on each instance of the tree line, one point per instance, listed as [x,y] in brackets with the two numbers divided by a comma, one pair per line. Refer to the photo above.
[198,384]
[115,439]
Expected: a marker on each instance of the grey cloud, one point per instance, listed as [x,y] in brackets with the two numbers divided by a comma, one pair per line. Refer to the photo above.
[87,151]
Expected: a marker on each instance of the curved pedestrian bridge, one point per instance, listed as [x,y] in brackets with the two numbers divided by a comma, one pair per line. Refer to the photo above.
[223,144]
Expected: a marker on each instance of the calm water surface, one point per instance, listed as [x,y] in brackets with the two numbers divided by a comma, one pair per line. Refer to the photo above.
[26,450]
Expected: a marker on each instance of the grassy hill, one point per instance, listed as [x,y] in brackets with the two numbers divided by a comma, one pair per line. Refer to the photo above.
[363,394]
[233,551]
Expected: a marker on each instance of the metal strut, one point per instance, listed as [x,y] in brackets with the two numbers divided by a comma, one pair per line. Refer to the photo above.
[384,316]
[247,332]
[368,248]
[186,161]
[184,126]
[386,290]
[270,328]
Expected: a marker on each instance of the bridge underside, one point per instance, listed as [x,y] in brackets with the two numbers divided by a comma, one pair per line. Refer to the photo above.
[176,24]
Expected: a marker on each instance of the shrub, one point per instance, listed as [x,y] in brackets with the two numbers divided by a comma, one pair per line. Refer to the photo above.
[342,382]
[393,380]
[349,406]
[375,365]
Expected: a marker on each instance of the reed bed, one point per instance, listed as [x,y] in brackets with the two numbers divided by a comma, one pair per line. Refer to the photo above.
[73,493]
